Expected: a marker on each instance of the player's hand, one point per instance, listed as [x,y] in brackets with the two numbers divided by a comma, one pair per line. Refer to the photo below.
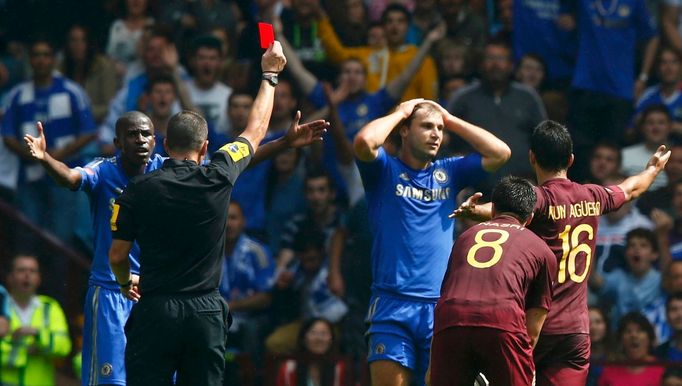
[284,279]
[24,331]
[37,145]
[466,209]
[273,59]
[438,107]
[336,284]
[334,97]
[132,292]
[566,22]
[438,32]
[663,221]
[305,134]
[659,159]
[406,108]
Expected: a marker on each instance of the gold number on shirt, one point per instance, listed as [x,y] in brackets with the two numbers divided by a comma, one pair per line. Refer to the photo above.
[571,247]
[496,245]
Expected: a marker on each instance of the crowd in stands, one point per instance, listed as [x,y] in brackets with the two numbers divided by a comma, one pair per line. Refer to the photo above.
[297,269]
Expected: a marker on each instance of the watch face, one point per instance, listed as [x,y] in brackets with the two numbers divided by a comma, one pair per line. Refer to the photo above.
[271,78]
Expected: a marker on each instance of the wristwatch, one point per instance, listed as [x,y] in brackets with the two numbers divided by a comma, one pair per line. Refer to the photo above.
[271,77]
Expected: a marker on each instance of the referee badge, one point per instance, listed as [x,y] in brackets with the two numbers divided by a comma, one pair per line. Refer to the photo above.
[106,370]
[236,150]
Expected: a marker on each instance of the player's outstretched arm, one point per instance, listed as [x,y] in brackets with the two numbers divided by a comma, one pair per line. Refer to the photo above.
[370,138]
[471,209]
[60,173]
[494,151]
[273,61]
[535,318]
[297,136]
[635,185]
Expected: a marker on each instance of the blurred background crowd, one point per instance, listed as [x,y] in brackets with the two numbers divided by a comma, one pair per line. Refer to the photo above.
[297,268]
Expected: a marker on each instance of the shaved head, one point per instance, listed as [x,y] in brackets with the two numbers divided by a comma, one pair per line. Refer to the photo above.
[131,118]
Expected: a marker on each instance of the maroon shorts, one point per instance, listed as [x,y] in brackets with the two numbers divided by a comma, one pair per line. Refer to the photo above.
[458,354]
[562,360]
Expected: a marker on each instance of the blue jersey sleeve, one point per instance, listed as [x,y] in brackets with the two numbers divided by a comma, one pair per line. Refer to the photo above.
[371,171]
[90,174]
[469,170]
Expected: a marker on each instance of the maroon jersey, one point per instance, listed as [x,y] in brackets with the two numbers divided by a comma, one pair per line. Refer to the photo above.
[566,217]
[497,270]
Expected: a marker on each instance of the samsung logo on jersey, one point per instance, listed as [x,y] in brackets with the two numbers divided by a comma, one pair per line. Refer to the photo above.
[422,194]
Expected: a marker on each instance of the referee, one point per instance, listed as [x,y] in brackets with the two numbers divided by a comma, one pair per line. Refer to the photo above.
[177,215]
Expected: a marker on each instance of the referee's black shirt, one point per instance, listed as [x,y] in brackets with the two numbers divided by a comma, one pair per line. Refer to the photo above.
[177,215]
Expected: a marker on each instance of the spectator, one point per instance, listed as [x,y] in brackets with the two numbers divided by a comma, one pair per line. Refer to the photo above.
[246,281]
[125,34]
[605,162]
[159,57]
[601,345]
[669,66]
[94,72]
[161,96]
[539,28]
[671,350]
[637,340]
[672,237]
[662,197]
[454,59]
[300,27]
[507,109]
[322,215]
[604,77]
[655,125]
[38,330]
[671,23]
[613,226]
[425,17]
[301,292]
[531,71]
[385,64]
[284,194]
[206,91]
[350,21]
[639,286]
[63,108]
[463,24]
[314,363]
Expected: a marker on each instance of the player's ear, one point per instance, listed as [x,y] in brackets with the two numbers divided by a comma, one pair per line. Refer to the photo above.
[531,157]
[165,145]
[570,160]
[117,143]
[204,148]
[529,219]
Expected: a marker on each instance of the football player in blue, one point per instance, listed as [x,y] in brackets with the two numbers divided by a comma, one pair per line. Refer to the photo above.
[410,197]
[106,309]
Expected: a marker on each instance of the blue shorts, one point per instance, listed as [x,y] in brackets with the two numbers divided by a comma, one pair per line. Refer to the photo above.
[400,331]
[104,341]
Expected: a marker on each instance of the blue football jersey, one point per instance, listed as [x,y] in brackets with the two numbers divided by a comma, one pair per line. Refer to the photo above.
[408,211]
[104,180]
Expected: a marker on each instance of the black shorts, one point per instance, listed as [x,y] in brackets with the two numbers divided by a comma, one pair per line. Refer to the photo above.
[183,334]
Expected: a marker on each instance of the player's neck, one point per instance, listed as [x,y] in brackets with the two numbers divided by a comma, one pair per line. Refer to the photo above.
[544,175]
[131,169]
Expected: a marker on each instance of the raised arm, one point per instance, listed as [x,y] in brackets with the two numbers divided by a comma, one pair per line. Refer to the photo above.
[273,61]
[635,185]
[60,173]
[495,153]
[305,79]
[669,16]
[397,86]
[370,138]
[297,136]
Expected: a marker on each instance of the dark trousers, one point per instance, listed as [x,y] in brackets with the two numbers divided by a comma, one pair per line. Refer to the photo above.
[177,334]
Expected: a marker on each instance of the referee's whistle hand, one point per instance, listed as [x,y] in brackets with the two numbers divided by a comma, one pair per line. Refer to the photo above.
[131,292]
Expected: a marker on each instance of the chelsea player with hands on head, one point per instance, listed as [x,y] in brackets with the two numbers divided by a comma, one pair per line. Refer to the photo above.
[409,198]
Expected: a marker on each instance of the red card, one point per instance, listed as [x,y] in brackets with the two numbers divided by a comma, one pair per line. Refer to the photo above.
[267,35]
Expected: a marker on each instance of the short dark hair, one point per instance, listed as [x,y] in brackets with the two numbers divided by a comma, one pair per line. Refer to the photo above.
[128,119]
[552,145]
[41,39]
[514,195]
[186,131]
[237,93]
[608,145]
[657,108]
[641,321]
[395,8]
[671,297]
[319,173]
[535,57]
[642,233]
[13,260]
[163,78]
[207,41]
